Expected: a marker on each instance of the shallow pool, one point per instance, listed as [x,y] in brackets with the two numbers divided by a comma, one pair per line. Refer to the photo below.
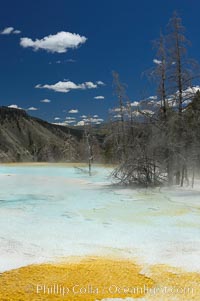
[50,212]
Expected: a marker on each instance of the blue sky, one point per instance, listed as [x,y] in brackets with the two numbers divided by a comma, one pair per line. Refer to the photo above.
[110,34]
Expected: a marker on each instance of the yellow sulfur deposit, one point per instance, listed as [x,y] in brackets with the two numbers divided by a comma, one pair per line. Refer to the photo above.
[173,284]
[94,279]
[89,279]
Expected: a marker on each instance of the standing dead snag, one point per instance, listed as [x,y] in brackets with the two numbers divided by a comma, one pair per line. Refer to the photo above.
[192,119]
[178,75]
[120,92]
[70,147]
[89,144]
[160,74]
[181,73]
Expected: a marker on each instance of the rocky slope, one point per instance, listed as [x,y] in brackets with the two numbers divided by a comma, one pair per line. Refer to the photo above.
[25,138]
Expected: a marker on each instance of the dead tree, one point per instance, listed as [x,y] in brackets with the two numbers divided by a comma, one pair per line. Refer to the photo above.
[119,90]
[88,138]
[70,147]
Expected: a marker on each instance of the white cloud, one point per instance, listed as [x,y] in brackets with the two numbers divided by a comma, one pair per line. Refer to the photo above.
[59,123]
[153,97]
[93,120]
[17,31]
[99,97]
[97,120]
[64,123]
[95,116]
[90,85]
[14,107]
[32,109]
[136,113]
[157,61]
[67,86]
[80,123]
[45,100]
[73,111]
[117,110]
[10,30]
[148,112]
[191,90]
[70,118]
[60,42]
[7,30]
[135,104]
[86,121]
[100,83]
[56,118]
[83,116]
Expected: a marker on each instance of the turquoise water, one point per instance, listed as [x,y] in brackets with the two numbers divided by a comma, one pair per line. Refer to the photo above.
[53,212]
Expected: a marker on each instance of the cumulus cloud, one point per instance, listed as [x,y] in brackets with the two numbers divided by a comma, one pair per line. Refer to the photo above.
[67,86]
[32,109]
[56,118]
[10,30]
[148,112]
[7,30]
[135,104]
[154,97]
[70,118]
[14,107]
[100,83]
[64,123]
[136,113]
[90,85]
[17,31]
[118,109]
[59,123]
[157,61]
[117,116]
[80,123]
[191,90]
[93,120]
[45,100]
[59,42]
[99,97]
[73,111]
[87,121]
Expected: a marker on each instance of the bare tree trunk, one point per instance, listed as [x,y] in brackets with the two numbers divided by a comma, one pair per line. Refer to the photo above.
[178,177]
[170,175]
[193,176]
[88,137]
[182,175]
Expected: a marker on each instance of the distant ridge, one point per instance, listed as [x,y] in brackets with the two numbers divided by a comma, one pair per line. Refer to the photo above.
[24,138]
